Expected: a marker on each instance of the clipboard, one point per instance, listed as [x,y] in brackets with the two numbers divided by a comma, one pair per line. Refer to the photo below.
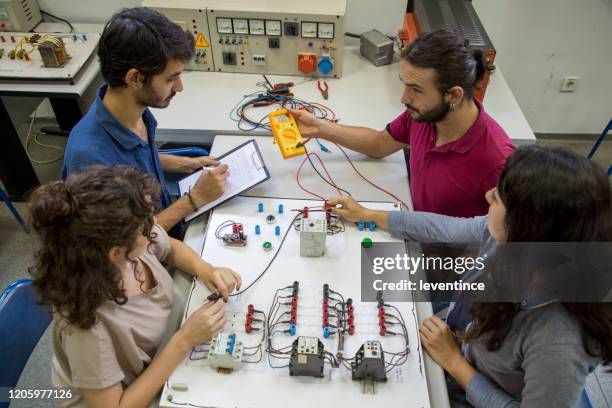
[247,170]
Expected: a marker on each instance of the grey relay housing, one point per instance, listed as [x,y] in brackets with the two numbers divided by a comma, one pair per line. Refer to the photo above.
[307,357]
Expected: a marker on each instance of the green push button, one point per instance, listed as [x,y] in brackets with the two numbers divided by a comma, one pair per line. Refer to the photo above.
[267,246]
[366,242]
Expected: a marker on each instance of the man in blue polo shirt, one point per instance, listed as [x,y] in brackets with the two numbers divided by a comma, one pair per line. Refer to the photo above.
[142,55]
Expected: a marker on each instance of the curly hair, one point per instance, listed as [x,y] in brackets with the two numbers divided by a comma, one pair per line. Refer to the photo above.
[552,195]
[78,221]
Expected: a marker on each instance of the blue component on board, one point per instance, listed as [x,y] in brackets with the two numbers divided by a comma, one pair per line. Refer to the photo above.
[326,332]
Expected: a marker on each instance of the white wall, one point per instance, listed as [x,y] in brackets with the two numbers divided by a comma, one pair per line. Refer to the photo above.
[539,42]
[86,11]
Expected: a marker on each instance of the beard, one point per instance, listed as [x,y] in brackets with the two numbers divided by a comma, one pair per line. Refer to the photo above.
[434,115]
[149,98]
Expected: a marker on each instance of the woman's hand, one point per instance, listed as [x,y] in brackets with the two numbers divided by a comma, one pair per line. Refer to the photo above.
[350,210]
[222,281]
[440,342]
[203,324]
[442,347]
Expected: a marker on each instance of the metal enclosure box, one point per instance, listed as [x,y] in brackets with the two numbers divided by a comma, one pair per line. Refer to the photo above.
[19,15]
[377,48]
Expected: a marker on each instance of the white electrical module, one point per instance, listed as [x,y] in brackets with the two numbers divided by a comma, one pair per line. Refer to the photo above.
[312,237]
[225,352]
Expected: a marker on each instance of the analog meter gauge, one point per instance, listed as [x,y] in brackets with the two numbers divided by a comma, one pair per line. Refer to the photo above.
[273,27]
[326,30]
[309,30]
[257,27]
[224,25]
[241,26]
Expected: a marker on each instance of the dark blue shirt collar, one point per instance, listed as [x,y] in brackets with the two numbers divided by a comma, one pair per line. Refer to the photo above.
[120,133]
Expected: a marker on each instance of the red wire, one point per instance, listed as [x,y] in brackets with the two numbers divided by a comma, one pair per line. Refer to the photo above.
[297,178]
[368,181]
[326,172]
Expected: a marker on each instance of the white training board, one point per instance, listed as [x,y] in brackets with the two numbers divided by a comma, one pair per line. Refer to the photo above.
[79,46]
[259,385]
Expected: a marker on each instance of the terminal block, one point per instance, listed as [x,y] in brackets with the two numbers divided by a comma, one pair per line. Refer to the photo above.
[237,237]
[307,357]
[369,363]
[225,353]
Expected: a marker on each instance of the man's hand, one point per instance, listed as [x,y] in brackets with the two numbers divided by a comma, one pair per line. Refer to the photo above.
[311,126]
[196,163]
[210,185]
[350,210]
[222,281]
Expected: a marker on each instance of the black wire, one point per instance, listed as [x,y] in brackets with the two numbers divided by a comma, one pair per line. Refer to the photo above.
[222,226]
[271,260]
[320,175]
[59,19]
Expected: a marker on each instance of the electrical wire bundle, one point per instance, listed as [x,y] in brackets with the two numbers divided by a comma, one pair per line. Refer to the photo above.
[282,322]
[240,115]
[342,320]
[395,319]
[329,179]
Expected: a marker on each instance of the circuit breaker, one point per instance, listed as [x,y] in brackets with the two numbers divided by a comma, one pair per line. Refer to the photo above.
[190,15]
[19,15]
[264,36]
[369,363]
[313,233]
[225,352]
[307,357]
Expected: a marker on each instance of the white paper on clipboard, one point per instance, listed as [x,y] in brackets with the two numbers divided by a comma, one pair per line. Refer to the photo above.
[246,170]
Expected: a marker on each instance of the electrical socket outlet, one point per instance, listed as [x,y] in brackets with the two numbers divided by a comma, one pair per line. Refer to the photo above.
[569,84]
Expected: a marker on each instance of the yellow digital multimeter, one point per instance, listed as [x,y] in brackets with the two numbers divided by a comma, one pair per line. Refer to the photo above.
[286,133]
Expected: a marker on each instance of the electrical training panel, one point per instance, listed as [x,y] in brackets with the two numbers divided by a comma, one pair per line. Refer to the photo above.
[263,36]
[19,15]
[190,15]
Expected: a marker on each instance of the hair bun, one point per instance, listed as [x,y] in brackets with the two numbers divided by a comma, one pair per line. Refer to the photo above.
[52,205]
[481,64]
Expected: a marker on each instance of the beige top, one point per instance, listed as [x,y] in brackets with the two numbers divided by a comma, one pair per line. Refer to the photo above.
[124,339]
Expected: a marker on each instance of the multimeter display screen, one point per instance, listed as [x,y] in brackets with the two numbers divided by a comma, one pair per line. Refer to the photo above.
[282,118]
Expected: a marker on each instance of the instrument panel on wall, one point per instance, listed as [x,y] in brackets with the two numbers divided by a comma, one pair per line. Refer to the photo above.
[266,37]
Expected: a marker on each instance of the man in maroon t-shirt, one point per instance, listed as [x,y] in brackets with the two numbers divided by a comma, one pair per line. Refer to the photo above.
[457,151]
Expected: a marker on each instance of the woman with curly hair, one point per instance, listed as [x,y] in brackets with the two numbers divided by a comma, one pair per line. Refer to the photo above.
[536,352]
[99,266]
